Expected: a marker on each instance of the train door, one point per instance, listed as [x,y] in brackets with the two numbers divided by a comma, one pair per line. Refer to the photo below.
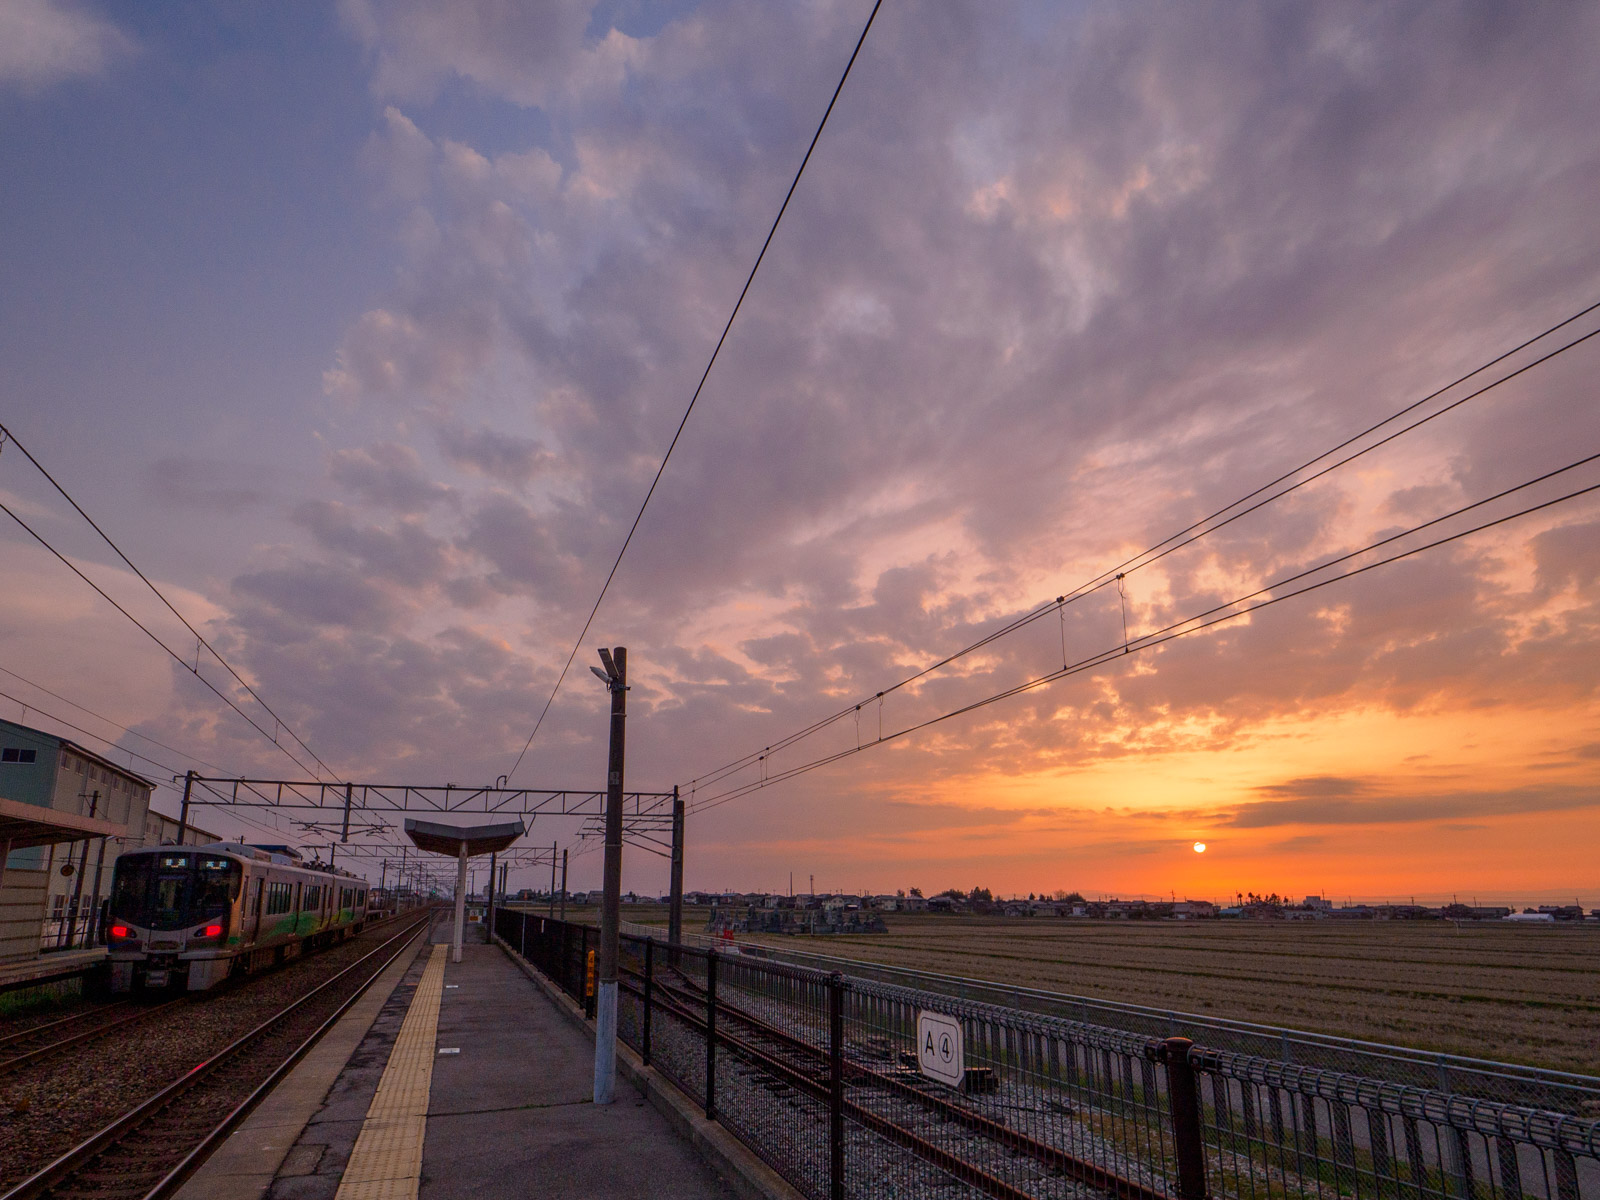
[252,909]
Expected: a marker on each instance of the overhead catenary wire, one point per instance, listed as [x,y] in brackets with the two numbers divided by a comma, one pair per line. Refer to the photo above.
[1198,622]
[1201,528]
[704,375]
[199,637]
[97,716]
[43,712]
[173,654]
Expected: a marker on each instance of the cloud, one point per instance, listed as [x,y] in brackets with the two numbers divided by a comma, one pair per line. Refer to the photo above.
[1402,806]
[503,457]
[43,42]
[520,53]
[1057,283]
[388,475]
[406,553]
[195,483]
[317,594]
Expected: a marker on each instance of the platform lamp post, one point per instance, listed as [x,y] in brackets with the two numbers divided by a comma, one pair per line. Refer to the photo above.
[615,677]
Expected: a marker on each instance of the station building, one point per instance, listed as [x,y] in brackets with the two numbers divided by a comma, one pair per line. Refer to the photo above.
[65,815]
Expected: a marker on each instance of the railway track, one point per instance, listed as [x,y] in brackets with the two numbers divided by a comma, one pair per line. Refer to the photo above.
[32,1046]
[896,1104]
[149,1151]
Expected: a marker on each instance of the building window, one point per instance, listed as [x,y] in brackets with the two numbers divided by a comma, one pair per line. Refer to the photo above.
[18,754]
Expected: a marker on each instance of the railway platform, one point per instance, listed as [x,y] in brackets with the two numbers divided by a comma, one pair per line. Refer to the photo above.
[464,1079]
[49,968]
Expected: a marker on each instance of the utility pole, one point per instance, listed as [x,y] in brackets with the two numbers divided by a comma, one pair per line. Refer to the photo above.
[615,677]
[552,881]
[675,896]
[563,885]
[183,811]
[83,863]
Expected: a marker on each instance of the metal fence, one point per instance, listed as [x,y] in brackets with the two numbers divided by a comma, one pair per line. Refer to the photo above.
[1508,1083]
[819,1074]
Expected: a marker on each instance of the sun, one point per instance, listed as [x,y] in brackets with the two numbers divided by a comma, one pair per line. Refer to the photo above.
[1199,847]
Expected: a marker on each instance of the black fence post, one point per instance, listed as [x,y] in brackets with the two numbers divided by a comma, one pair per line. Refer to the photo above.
[711,1035]
[649,985]
[1188,1138]
[836,1083]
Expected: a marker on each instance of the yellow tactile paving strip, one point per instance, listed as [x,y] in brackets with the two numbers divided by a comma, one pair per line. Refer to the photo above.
[386,1163]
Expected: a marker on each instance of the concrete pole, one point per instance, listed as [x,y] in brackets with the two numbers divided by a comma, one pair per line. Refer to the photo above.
[675,897]
[605,1025]
[488,901]
[183,810]
[461,901]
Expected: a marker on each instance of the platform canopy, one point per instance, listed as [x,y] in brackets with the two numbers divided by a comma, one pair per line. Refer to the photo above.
[439,838]
[24,825]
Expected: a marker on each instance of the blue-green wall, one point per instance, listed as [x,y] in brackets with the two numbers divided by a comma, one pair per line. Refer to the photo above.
[29,783]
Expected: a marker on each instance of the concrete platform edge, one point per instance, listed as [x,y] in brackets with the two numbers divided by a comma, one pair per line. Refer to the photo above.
[244,1169]
[738,1165]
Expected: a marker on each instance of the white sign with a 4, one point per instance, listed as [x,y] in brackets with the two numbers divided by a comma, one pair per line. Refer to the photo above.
[939,1048]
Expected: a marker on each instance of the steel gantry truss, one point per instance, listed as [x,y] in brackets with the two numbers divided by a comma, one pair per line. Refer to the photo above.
[299,795]
[651,821]
[324,809]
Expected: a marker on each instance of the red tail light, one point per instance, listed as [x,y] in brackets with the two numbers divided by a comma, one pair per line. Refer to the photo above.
[212,931]
[119,931]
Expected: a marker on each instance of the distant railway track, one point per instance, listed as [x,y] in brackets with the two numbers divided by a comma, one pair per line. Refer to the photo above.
[149,1151]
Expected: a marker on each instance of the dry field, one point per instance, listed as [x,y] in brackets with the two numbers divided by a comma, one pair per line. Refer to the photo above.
[1512,993]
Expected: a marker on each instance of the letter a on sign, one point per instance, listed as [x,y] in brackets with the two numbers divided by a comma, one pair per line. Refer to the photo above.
[939,1048]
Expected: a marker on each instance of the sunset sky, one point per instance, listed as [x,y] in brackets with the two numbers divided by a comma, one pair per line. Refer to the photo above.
[363,329]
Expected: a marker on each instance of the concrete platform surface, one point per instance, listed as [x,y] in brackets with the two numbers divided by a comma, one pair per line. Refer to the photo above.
[244,1166]
[58,964]
[510,1114]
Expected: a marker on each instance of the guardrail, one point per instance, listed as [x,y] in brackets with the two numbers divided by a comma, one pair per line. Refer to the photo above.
[821,1075]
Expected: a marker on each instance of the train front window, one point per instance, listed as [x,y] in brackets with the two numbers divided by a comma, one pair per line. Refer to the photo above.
[216,887]
[173,891]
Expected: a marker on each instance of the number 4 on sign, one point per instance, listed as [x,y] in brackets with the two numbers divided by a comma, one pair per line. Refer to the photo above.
[940,1053]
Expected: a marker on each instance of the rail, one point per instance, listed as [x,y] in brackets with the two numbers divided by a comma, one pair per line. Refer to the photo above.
[194,1131]
[818,1073]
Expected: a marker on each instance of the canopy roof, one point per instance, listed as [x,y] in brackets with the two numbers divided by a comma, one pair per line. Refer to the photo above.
[438,838]
[25,825]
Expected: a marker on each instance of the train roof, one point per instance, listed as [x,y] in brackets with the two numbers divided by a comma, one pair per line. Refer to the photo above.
[283,856]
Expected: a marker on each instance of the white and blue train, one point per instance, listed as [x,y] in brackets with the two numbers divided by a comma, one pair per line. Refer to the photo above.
[197,914]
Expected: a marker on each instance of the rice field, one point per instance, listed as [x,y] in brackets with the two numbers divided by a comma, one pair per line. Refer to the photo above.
[1522,994]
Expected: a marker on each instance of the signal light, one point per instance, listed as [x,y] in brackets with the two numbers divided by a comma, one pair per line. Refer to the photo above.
[212,931]
[119,931]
